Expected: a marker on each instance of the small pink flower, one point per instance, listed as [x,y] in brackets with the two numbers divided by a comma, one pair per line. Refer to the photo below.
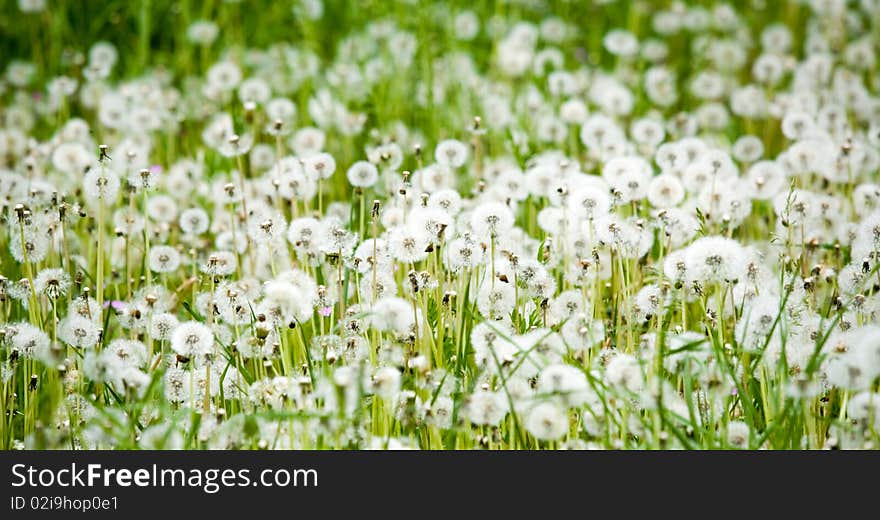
[325,311]
[156,168]
[116,304]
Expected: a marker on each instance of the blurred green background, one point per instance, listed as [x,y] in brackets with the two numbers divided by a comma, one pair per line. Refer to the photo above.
[153,32]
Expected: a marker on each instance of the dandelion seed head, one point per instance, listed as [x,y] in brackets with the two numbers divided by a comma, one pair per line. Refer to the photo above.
[362,174]
[565,382]
[486,408]
[191,339]
[53,283]
[79,331]
[163,259]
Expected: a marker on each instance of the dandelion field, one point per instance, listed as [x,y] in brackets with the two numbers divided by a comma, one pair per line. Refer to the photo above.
[511,225]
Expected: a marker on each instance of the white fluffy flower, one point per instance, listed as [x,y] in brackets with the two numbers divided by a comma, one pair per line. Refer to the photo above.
[191,339]
[547,421]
